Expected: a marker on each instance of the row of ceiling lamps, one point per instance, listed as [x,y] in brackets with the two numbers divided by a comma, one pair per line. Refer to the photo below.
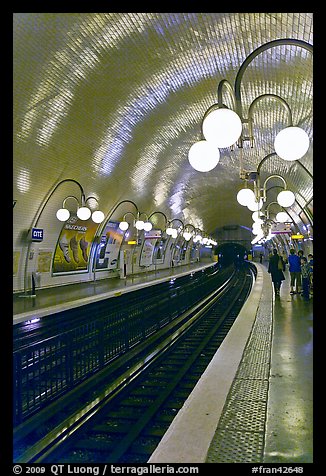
[84,213]
[196,233]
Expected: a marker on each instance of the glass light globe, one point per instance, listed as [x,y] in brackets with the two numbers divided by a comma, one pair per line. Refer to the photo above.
[256,226]
[169,230]
[63,214]
[291,143]
[286,198]
[255,206]
[148,226]
[245,195]
[123,225]
[282,217]
[259,222]
[139,225]
[97,216]
[83,213]
[256,231]
[174,233]
[187,235]
[222,127]
[203,156]
[256,216]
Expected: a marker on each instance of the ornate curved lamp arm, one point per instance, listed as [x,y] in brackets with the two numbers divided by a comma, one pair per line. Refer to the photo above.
[256,52]
[43,205]
[266,210]
[256,101]
[69,196]
[177,219]
[39,213]
[130,213]
[161,213]
[89,198]
[221,84]
[270,177]
[189,224]
[120,203]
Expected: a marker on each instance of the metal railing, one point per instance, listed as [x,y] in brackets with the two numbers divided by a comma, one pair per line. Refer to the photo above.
[47,369]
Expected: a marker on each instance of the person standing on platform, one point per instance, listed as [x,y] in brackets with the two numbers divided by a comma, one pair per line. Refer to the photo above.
[305,274]
[295,272]
[300,254]
[275,268]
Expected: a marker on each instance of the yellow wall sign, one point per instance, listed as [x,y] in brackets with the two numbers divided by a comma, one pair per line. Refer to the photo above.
[297,237]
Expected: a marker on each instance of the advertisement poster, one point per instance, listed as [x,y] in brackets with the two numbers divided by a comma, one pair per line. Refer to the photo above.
[159,251]
[72,251]
[147,252]
[16,259]
[44,259]
[180,247]
[107,256]
[150,239]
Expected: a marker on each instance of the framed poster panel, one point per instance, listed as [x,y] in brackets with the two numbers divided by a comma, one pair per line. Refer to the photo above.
[107,254]
[16,261]
[147,251]
[44,259]
[72,250]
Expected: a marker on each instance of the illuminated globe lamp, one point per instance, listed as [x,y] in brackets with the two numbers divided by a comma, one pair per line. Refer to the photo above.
[171,231]
[203,156]
[222,127]
[148,226]
[256,215]
[63,214]
[98,216]
[291,143]
[282,217]
[256,230]
[187,235]
[83,213]
[258,222]
[255,206]
[123,225]
[286,198]
[244,196]
[139,224]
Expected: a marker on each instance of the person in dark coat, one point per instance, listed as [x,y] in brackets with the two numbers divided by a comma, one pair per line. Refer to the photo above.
[276,267]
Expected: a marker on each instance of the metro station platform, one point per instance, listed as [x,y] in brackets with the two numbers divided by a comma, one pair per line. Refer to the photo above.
[254,402]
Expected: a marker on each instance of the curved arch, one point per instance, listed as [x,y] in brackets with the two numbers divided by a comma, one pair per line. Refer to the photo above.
[256,52]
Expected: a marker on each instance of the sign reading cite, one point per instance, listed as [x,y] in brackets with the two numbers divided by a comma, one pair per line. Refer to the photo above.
[37,234]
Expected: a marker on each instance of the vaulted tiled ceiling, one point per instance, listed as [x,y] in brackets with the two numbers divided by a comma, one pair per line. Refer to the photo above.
[115,101]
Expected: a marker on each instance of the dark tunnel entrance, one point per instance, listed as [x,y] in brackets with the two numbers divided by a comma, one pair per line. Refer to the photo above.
[229,253]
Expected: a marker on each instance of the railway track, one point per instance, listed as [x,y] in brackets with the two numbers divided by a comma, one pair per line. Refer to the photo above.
[127,424]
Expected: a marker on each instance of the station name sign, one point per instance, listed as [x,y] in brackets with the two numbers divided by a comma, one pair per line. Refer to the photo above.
[37,234]
[280,228]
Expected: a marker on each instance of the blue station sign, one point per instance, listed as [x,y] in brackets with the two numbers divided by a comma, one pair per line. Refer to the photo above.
[37,234]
